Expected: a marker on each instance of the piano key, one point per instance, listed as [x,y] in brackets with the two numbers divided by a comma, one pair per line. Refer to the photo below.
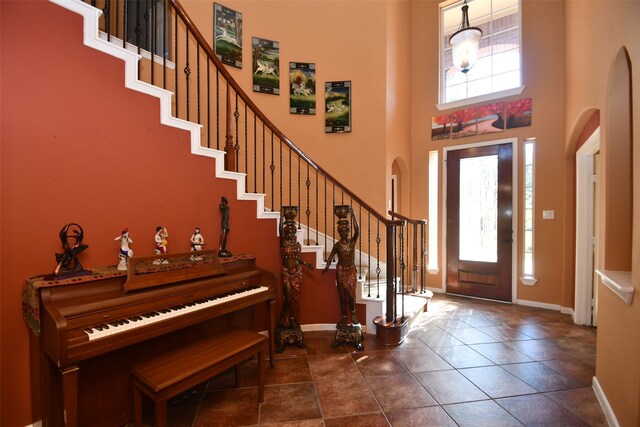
[144,319]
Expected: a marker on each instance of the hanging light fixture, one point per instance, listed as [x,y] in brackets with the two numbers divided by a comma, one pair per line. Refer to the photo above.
[465,43]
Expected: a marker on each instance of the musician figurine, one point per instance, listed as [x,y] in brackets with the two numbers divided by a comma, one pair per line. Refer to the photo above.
[224,228]
[197,242]
[161,244]
[288,330]
[349,328]
[125,251]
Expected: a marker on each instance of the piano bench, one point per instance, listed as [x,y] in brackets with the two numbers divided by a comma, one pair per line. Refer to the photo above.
[164,376]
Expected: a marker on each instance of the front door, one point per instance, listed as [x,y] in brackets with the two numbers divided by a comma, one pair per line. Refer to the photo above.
[479,221]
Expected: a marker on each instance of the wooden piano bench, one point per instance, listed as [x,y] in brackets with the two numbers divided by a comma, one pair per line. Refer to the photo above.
[169,374]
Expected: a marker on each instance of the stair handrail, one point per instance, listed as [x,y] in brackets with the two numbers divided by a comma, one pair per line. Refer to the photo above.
[256,110]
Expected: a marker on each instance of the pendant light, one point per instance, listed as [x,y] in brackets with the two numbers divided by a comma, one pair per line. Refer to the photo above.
[465,43]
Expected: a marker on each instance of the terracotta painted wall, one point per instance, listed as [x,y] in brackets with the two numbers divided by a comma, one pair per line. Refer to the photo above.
[347,41]
[543,50]
[76,146]
[606,27]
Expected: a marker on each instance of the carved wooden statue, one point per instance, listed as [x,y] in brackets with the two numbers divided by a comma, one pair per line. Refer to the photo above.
[349,328]
[288,330]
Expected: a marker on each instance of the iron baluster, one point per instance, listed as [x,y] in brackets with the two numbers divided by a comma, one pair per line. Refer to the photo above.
[107,19]
[198,80]
[152,46]
[369,255]
[308,211]
[124,23]
[273,168]
[217,109]
[378,271]
[208,105]
[255,154]
[264,188]
[246,151]
[175,73]
[187,70]
[317,209]
[165,22]
[138,31]
[236,147]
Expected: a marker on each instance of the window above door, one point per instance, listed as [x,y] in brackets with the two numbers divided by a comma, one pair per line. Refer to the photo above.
[498,71]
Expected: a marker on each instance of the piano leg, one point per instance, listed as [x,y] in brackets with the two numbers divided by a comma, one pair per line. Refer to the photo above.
[272,329]
[70,395]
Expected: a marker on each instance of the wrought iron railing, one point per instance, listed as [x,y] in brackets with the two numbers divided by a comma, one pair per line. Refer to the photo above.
[175,56]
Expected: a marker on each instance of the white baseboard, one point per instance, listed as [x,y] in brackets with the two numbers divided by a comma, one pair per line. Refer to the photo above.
[567,310]
[536,304]
[604,404]
[36,424]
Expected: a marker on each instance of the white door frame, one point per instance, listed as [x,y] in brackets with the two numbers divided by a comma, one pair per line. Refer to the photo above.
[585,242]
[514,218]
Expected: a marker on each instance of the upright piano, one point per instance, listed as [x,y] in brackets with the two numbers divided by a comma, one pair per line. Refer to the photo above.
[92,329]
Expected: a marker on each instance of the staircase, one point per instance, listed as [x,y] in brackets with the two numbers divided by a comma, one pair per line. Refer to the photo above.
[197,94]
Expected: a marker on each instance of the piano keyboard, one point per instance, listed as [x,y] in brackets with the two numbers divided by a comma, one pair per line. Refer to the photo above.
[122,325]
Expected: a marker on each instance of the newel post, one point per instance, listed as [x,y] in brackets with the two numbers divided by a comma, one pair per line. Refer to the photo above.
[391,274]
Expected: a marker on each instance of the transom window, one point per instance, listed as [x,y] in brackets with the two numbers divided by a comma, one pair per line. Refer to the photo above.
[498,67]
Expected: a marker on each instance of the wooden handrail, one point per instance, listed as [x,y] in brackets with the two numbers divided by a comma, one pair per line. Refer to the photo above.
[208,50]
[409,220]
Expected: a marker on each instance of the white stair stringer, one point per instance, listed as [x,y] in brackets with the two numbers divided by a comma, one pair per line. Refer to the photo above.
[91,38]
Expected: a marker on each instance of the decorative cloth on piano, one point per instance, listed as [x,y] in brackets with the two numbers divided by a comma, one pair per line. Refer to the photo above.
[31,297]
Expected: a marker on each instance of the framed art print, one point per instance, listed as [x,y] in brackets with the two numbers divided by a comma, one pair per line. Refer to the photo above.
[302,88]
[464,122]
[519,113]
[227,29]
[441,127]
[337,108]
[491,118]
[266,66]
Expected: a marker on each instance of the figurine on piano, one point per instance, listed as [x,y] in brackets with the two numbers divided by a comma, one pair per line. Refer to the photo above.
[224,228]
[161,244]
[197,242]
[125,251]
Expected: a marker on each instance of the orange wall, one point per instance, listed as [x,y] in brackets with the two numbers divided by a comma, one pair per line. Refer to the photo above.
[76,146]
[346,43]
[543,50]
[606,27]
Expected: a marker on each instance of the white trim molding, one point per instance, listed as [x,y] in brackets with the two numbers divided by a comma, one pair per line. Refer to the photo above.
[528,280]
[604,404]
[536,304]
[585,239]
[482,98]
[619,282]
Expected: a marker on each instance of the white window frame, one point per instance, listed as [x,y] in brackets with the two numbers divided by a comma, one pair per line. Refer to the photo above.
[476,99]
[528,277]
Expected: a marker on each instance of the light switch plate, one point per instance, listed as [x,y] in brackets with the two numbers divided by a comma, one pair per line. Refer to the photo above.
[548,214]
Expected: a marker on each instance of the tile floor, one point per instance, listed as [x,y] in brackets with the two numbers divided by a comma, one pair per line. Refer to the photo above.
[465,363]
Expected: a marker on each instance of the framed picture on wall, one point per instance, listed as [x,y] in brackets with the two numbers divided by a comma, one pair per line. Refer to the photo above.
[337,107]
[464,122]
[227,30]
[491,118]
[266,66]
[302,88]
[519,113]
[441,127]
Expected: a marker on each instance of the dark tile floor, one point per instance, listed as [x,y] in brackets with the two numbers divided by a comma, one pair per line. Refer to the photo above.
[466,362]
